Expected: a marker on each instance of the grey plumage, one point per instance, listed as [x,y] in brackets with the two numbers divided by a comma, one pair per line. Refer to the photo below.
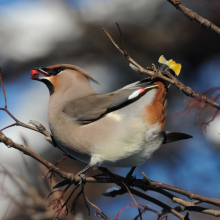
[114,129]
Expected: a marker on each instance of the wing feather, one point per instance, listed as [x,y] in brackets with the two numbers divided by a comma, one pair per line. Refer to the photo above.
[91,108]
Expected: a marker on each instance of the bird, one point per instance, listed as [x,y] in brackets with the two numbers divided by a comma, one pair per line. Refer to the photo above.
[118,129]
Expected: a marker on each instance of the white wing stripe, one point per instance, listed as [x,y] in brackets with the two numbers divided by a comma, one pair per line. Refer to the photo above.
[134,94]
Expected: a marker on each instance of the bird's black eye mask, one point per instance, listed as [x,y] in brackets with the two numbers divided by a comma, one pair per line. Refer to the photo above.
[54,71]
[47,72]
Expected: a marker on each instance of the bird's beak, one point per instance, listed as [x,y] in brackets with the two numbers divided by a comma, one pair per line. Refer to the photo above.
[40,70]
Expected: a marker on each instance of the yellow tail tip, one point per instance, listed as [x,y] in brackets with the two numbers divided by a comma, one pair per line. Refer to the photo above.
[162,59]
[176,67]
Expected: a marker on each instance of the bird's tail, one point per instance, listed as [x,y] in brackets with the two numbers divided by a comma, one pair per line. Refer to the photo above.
[171,66]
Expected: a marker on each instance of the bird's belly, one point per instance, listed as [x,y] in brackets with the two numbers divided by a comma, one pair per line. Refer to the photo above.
[124,143]
[131,143]
[138,156]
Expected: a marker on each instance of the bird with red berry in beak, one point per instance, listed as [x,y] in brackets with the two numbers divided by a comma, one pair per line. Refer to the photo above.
[118,129]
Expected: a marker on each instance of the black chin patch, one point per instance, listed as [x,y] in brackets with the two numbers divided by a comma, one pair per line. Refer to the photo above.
[49,85]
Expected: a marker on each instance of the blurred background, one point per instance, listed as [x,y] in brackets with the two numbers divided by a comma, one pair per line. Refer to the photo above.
[44,32]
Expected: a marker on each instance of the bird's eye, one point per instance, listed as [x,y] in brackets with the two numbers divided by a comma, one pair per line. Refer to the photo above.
[57,70]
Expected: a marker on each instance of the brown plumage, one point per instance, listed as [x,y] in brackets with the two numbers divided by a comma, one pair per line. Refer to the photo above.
[154,113]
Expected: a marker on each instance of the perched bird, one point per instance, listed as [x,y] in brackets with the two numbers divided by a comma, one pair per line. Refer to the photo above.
[118,129]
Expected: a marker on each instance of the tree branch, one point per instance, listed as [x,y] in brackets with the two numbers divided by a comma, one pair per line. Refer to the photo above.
[206,24]
[155,73]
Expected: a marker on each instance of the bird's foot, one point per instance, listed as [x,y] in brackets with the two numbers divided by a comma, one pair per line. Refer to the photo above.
[81,182]
[77,181]
[130,172]
[130,180]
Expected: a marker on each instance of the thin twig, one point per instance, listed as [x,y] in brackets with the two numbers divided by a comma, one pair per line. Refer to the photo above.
[131,196]
[122,40]
[139,209]
[3,88]
[107,218]
[145,208]
[17,122]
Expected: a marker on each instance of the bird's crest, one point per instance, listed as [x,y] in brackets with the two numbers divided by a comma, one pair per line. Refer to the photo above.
[73,67]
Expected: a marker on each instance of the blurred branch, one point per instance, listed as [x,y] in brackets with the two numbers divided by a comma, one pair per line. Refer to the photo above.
[3,88]
[38,127]
[30,199]
[204,114]
[206,24]
[9,143]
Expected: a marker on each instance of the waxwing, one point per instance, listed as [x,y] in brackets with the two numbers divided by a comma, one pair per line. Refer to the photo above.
[117,129]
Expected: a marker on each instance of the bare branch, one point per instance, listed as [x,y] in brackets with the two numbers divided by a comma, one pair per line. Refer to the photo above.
[153,72]
[206,24]
[190,195]
[122,40]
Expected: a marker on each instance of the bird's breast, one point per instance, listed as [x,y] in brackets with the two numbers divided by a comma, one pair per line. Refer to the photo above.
[153,113]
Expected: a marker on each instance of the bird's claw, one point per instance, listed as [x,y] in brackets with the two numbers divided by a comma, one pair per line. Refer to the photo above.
[82,182]
[130,180]
[49,139]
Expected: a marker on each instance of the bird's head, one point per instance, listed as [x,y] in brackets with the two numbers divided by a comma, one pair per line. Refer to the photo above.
[62,77]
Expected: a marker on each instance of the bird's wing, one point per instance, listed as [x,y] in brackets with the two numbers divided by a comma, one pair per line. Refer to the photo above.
[91,108]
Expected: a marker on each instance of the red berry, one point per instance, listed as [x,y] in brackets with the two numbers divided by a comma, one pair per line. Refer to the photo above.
[34,73]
